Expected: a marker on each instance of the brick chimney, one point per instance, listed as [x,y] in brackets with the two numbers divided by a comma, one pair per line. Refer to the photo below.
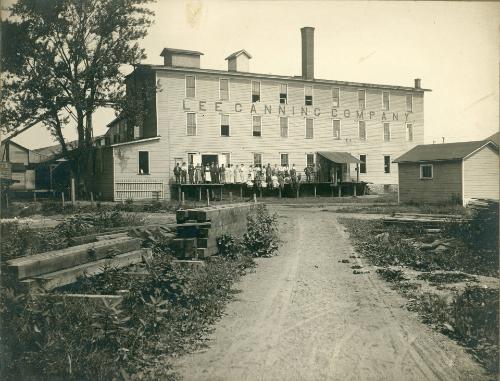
[307,52]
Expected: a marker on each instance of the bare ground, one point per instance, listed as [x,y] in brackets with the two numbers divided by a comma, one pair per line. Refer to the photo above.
[303,315]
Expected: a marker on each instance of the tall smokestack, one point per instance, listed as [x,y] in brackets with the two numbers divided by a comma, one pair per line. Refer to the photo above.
[307,52]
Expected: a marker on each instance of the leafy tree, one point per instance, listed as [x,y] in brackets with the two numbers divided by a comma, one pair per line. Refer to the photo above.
[61,61]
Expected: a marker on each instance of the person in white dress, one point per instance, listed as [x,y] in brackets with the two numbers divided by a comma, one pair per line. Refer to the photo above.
[243,173]
[208,177]
[229,174]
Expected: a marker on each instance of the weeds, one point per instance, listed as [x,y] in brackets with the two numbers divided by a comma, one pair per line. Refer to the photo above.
[262,237]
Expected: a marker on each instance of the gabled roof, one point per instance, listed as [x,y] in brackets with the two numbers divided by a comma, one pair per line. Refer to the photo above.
[441,152]
[339,157]
[495,138]
[238,53]
[166,51]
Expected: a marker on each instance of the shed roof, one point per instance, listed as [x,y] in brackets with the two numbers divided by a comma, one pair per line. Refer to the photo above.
[239,52]
[339,157]
[441,152]
[166,51]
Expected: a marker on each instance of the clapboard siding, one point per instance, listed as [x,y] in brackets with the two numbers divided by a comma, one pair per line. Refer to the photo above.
[445,185]
[241,144]
[481,174]
[126,161]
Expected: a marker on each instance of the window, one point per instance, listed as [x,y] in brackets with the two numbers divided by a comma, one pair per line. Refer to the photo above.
[361,99]
[143,163]
[309,128]
[426,171]
[308,95]
[409,102]
[191,123]
[387,164]
[191,157]
[224,125]
[336,97]
[409,132]
[284,126]
[362,130]
[224,89]
[257,126]
[284,159]
[385,100]
[387,132]
[257,160]
[336,129]
[310,159]
[362,165]
[283,93]
[190,86]
[255,92]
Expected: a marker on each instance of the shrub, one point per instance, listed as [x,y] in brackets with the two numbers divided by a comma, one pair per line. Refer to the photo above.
[228,246]
[262,237]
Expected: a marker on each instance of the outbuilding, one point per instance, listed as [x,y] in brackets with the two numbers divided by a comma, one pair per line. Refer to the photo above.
[452,172]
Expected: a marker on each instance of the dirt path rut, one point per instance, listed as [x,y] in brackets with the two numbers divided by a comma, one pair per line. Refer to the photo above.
[304,316]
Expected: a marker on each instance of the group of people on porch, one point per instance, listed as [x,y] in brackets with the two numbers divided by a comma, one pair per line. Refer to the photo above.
[254,175]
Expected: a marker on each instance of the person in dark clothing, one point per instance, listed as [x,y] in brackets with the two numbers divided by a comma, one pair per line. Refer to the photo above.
[308,172]
[177,173]
[293,174]
[269,174]
[217,174]
[191,173]
[212,173]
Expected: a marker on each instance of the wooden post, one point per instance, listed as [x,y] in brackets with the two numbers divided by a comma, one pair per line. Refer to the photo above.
[314,190]
[364,189]
[254,197]
[241,191]
[230,196]
[73,191]
[34,196]
[357,172]
[6,201]
[260,192]
[221,193]
[199,193]
[92,198]
[340,191]
[62,197]
[331,186]
[279,188]
[182,198]
[297,192]
[208,197]
[179,191]
[354,192]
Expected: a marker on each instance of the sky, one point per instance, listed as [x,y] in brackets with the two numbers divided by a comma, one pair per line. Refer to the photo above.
[451,46]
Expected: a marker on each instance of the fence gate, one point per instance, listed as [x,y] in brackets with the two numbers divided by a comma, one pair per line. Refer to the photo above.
[139,189]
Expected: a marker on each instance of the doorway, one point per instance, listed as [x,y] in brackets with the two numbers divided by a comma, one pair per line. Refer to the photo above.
[209,159]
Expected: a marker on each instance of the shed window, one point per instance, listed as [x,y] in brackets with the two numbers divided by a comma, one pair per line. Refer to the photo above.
[143,162]
[387,164]
[409,132]
[361,99]
[362,165]
[224,89]
[362,130]
[255,91]
[308,95]
[385,100]
[409,102]
[309,128]
[336,129]
[387,132]
[191,123]
[224,125]
[426,171]
[283,93]
[190,86]
[284,159]
[257,160]
[284,126]
[256,126]
[335,97]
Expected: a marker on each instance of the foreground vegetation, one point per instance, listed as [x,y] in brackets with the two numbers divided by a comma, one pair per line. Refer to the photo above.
[443,287]
[166,311]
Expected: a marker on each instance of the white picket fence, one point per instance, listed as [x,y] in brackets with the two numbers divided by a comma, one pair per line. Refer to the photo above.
[139,189]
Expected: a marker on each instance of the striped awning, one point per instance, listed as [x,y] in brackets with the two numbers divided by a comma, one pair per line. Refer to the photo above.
[339,157]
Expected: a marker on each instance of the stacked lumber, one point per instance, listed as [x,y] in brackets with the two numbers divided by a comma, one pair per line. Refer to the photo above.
[424,220]
[198,229]
[58,268]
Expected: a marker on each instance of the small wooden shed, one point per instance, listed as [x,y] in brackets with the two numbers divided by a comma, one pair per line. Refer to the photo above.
[452,172]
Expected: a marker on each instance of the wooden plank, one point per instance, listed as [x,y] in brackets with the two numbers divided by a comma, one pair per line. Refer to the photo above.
[64,277]
[72,256]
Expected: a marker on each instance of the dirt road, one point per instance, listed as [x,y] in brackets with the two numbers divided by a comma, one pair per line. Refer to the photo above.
[304,316]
